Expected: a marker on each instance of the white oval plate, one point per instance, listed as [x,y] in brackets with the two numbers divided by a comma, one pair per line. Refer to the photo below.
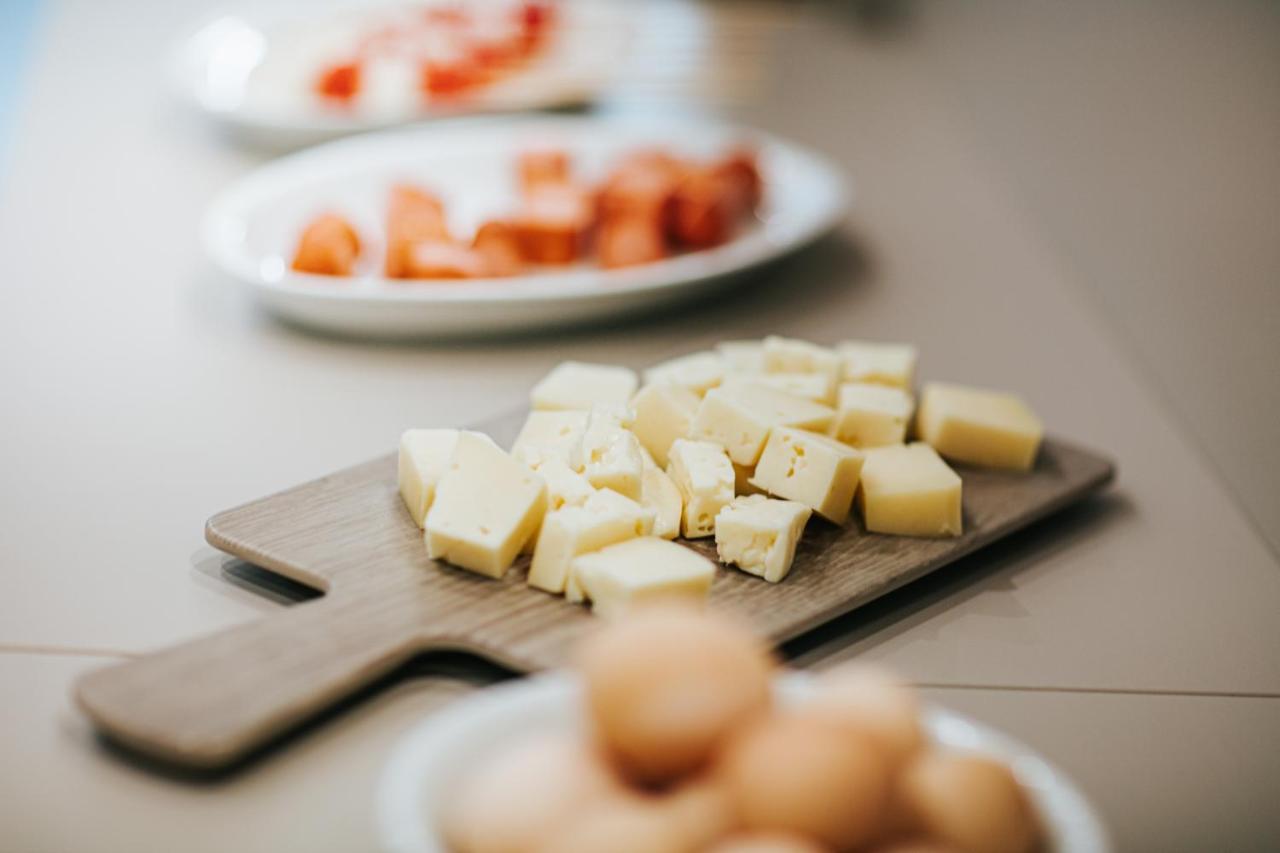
[251,229]
[252,66]
[432,756]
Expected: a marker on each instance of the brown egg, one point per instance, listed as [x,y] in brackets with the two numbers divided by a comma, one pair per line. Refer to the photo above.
[875,702]
[515,798]
[969,802]
[767,842]
[804,774]
[666,686]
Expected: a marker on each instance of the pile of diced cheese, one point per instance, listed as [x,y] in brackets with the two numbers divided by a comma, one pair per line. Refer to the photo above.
[743,444]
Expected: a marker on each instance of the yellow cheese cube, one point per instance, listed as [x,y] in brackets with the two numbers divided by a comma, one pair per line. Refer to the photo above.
[487,505]
[742,356]
[813,469]
[549,433]
[604,518]
[662,414]
[639,571]
[882,364]
[870,415]
[659,493]
[704,475]
[424,457]
[788,355]
[908,490]
[565,487]
[739,418]
[577,385]
[608,454]
[818,387]
[759,535]
[979,427]
[699,372]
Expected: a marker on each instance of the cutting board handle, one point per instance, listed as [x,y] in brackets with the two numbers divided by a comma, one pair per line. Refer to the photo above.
[213,700]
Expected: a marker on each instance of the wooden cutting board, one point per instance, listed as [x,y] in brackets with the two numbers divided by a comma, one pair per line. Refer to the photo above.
[211,701]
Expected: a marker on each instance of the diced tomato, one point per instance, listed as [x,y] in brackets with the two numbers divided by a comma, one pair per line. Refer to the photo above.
[328,246]
[552,227]
[741,172]
[703,210]
[339,82]
[538,167]
[450,80]
[413,216]
[443,259]
[625,241]
[499,246]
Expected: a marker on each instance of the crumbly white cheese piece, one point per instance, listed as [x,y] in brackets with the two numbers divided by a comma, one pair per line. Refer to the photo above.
[813,469]
[818,387]
[565,486]
[424,457]
[608,454]
[740,416]
[882,364]
[549,433]
[603,518]
[909,491]
[698,371]
[979,427]
[577,385]
[662,414]
[621,576]
[487,505]
[788,355]
[759,535]
[742,356]
[704,475]
[659,493]
[869,415]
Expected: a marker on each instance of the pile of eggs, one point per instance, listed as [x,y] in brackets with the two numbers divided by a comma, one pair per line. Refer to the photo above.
[688,752]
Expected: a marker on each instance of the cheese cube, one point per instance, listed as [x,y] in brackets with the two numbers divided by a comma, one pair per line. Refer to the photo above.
[604,518]
[577,385]
[882,364]
[908,490]
[549,433]
[870,415]
[739,418]
[699,372]
[815,470]
[979,427]
[742,356]
[424,457]
[663,414]
[565,487]
[704,475]
[608,454]
[487,506]
[818,387]
[788,355]
[759,535]
[659,493]
[639,571]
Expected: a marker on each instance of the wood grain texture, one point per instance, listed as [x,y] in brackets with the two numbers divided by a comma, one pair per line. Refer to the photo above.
[210,701]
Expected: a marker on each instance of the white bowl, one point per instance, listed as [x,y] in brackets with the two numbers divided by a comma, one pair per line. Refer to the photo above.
[430,759]
[251,229]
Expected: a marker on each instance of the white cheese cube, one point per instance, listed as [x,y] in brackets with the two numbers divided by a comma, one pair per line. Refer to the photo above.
[818,387]
[759,535]
[815,470]
[565,487]
[870,415]
[424,457]
[663,414]
[659,493]
[638,571]
[604,518]
[699,372]
[487,505]
[739,418]
[788,355]
[882,364]
[577,385]
[742,356]
[979,427]
[908,490]
[608,454]
[549,433]
[704,475]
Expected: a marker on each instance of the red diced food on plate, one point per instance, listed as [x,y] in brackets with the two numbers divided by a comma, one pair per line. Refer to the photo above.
[499,247]
[625,241]
[703,210]
[328,246]
[552,227]
[741,171]
[642,184]
[413,216]
[443,259]
[541,166]
[452,79]
[339,82]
